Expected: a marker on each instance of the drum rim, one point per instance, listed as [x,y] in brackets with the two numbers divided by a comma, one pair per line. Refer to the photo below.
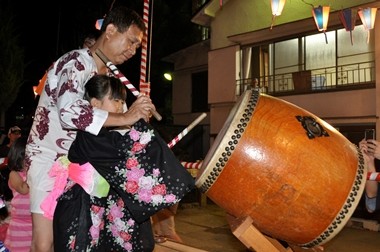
[245,106]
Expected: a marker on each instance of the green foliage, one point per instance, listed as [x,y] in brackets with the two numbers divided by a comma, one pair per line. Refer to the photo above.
[11,59]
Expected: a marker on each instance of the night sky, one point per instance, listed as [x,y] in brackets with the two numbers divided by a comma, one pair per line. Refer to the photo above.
[49,29]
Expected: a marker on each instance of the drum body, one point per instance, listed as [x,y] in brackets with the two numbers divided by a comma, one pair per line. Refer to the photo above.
[295,175]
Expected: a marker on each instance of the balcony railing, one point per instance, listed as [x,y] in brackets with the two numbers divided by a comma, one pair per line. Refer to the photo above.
[359,75]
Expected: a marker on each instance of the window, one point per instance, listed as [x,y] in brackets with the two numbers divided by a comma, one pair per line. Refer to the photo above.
[308,63]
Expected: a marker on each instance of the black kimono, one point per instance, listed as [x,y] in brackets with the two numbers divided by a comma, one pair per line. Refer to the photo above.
[144,177]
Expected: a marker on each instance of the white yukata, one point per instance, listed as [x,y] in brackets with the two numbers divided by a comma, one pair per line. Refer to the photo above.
[60,112]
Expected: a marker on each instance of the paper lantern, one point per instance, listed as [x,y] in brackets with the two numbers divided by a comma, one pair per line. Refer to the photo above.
[277,7]
[368,16]
[321,18]
[99,23]
[348,19]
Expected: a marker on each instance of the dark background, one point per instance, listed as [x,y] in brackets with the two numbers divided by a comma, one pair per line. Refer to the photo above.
[49,29]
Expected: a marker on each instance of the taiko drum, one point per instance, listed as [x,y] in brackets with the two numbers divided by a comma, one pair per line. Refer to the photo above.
[295,175]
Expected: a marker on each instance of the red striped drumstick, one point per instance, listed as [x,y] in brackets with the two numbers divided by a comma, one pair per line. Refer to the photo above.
[144,44]
[123,79]
[145,64]
[192,165]
[374,176]
[186,130]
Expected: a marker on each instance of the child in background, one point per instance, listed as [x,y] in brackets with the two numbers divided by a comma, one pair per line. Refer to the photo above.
[19,233]
[6,196]
[4,220]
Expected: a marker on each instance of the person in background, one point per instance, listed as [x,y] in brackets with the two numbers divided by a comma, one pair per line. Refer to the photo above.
[19,233]
[4,217]
[371,151]
[90,39]
[3,136]
[13,133]
[62,111]
[139,172]
[6,194]
[163,222]
[164,225]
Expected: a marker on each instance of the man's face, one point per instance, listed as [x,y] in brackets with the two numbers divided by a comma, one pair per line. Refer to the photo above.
[124,45]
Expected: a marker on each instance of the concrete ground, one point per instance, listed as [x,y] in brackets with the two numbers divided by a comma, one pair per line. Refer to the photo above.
[205,228]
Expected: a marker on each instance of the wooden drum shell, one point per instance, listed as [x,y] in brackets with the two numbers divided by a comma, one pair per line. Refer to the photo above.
[264,165]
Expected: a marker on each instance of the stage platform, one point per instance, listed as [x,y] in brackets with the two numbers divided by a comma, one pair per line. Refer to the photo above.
[205,228]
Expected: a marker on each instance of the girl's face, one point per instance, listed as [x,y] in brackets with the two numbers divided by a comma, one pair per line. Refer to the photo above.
[108,104]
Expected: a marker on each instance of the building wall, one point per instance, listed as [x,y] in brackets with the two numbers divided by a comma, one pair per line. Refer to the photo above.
[341,107]
[243,16]
[246,22]
[186,62]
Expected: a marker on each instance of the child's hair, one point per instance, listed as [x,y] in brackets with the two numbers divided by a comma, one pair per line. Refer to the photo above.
[16,154]
[101,85]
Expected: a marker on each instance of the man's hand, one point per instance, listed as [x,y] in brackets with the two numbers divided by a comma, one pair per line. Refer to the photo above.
[141,109]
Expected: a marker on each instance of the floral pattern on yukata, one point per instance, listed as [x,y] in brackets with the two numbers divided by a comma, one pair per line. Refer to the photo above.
[119,225]
[144,177]
[145,187]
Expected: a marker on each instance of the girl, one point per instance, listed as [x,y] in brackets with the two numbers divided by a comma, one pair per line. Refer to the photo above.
[19,233]
[142,176]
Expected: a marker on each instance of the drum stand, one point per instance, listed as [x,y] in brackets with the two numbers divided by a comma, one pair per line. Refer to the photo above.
[254,240]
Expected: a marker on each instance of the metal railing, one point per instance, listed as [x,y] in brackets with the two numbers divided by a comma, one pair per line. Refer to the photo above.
[313,80]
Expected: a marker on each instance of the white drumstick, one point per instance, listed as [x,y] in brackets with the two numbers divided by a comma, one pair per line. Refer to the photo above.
[186,130]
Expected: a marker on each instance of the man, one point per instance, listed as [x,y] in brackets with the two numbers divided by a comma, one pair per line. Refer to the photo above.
[13,133]
[62,110]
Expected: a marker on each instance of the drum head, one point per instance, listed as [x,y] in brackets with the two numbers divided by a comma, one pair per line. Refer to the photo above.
[228,136]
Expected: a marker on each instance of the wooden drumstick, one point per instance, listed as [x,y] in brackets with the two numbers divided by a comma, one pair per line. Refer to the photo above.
[186,130]
[123,79]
